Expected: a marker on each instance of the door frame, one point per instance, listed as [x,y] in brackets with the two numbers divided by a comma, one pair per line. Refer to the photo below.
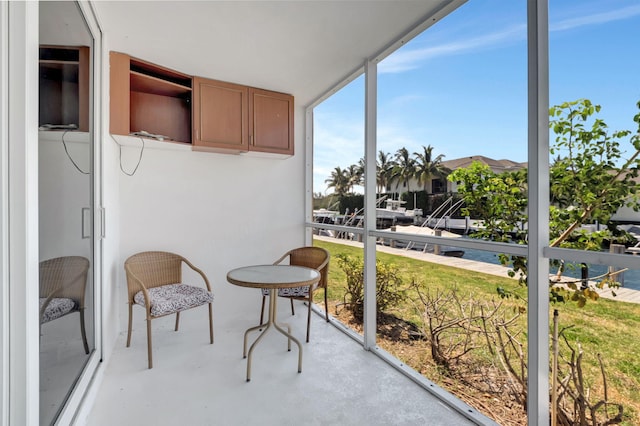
[19,259]
[70,411]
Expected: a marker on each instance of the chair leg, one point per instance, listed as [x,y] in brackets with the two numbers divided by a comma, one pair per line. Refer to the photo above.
[262,310]
[83,332]
[177,320]
[326,305]
[310,301]
[149,354]
[130,319]
[309,320]
[211,322]
[292,311]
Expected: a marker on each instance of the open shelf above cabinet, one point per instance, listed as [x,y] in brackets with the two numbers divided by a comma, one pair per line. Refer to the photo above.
[156,86]
[147,97]
[64,86]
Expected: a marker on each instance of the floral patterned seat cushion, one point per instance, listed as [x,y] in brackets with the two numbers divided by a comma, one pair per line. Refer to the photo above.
[171,298]
[290,292]
[57,307]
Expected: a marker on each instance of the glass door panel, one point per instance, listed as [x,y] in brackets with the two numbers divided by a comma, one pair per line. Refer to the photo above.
[65,204]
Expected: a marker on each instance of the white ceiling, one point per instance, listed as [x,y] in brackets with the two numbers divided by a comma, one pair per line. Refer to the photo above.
[299,47]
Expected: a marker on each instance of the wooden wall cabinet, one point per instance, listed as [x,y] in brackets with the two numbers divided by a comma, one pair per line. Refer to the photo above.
[212,115]
[64,86]
[233,118]
[220,116]
[270,122]
[147,97]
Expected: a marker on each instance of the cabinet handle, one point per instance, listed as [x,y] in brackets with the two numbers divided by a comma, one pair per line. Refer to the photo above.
[86,221]
[251,140]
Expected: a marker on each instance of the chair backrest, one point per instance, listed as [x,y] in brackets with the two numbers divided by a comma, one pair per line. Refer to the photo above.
[311,257]
[64,277]
[152,269]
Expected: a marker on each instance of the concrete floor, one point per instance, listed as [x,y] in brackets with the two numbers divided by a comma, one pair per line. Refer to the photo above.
[194,383]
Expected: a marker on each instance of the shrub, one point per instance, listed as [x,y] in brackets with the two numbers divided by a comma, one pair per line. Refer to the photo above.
[389,289]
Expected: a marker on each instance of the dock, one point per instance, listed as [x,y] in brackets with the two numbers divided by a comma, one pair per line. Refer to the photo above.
[622,294]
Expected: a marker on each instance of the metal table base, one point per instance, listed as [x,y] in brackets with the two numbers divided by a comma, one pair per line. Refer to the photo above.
[273,297]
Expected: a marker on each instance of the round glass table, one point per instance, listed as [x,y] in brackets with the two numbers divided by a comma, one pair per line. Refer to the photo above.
[272,277]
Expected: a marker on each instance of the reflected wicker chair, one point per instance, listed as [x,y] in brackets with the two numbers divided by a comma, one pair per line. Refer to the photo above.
[63,281]
[311,257]
[154,280]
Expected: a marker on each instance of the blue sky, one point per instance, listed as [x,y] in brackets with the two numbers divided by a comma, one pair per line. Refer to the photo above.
[461,86]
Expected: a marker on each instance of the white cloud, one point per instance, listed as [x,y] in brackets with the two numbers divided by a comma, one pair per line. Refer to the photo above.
[595,18]
[404,100]
[409,59]
[338,142]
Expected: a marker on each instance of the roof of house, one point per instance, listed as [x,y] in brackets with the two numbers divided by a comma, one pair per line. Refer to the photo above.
[497,166]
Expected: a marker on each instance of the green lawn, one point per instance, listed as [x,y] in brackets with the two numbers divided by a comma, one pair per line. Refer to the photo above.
[608,327]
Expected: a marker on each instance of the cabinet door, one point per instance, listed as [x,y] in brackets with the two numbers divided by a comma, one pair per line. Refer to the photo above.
[271,125]
[220,114]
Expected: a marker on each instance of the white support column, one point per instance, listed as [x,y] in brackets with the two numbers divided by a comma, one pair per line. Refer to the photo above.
[4,213]
[23,214]
[370,138]
[538,266]
[308,173]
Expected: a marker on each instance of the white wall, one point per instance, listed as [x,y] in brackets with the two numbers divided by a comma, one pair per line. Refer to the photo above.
[220,211]
[112,287]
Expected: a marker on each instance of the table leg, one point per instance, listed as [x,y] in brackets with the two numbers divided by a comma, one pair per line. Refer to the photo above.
[296,342]
[286,333]
[265,326]
[273,296]
[246,335]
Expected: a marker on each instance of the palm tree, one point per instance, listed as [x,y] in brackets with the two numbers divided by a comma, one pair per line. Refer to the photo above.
[338,181]
[384,171]
[428,167]
[405,168]
[361,168]
[353,175]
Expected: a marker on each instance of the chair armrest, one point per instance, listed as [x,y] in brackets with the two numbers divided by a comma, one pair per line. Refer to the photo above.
[134,285]
[199,271]
[323,264]
[281,259]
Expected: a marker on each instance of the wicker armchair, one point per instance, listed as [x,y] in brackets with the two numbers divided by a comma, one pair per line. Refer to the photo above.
[63,281]
[154,280]
[311,257]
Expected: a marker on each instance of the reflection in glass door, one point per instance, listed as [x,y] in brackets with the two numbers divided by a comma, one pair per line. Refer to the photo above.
[65,204]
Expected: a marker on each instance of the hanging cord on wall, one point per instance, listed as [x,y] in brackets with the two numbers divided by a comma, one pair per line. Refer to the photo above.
[139,158]
[69,155]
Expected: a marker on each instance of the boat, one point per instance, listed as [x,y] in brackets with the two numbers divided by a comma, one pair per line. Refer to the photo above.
[452,253]
[419,246]
[394,213]
[325,216]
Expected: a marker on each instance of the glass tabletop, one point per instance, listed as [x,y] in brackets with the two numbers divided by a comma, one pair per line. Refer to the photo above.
[278,276]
